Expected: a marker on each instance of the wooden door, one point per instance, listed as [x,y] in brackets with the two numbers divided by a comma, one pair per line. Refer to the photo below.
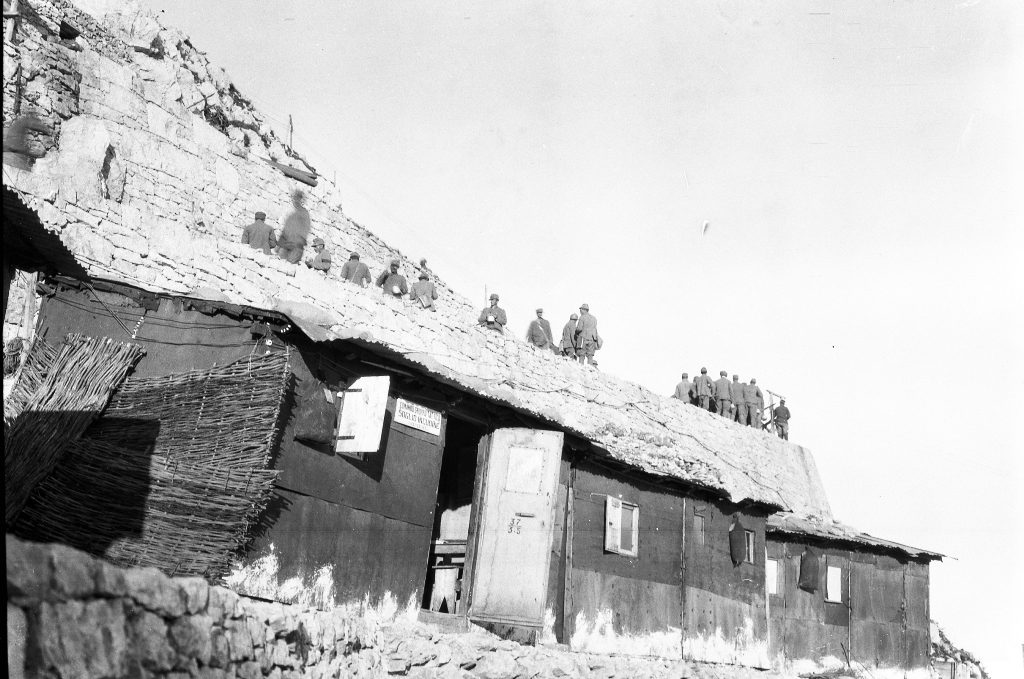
[517,485]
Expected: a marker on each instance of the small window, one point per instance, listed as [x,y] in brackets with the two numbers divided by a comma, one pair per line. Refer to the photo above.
[748,536]
[834,584]
[698,529]
[771,576]
[621,527]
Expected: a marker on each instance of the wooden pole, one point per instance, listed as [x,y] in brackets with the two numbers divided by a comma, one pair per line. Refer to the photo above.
[14,16]
[290,131]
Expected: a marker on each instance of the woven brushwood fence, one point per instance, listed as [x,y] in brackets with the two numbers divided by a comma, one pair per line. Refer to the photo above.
[38,361]
[173,474]
[72,393]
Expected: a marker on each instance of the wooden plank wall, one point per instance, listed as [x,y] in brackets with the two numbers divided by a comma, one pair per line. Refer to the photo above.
[720,598]
[882,622]
[642,593]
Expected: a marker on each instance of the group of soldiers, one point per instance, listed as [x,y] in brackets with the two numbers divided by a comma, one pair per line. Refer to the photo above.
[290,245]
[735,400]
[580,339]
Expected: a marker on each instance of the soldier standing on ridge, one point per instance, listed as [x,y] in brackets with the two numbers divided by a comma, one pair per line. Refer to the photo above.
[295,230]
[259,235]
[684,390]
[355,271]
[424,292]
[321,261]
[392,282]
[755,402]
[703,388]
[493,316]
[723,395]
[568,343]
[588,340]
[739,400]
[782,416]
[539,332]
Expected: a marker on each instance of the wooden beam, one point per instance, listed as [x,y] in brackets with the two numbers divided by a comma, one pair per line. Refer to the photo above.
[567,607]
[15,16]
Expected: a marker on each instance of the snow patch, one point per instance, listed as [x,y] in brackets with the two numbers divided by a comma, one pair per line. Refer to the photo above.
[599,636]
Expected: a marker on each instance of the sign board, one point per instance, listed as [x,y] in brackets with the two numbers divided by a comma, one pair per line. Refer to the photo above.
[418,417]
[361,416]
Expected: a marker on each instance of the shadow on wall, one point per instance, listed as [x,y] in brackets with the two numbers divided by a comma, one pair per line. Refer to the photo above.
[97,494]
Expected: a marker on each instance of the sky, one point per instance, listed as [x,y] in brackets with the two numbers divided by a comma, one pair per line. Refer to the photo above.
[855,164]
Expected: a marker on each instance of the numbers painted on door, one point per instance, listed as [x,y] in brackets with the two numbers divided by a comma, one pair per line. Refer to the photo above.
[515,525]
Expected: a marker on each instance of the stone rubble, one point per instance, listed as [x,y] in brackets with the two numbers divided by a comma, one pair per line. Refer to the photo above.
[70,616]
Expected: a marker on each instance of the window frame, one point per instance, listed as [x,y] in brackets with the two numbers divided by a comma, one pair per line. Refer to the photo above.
[829,569]
[699,532]
[613,527]
[772,585]
[749,542]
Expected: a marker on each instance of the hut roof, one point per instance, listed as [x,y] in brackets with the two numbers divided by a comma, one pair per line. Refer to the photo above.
[147,189]
[787,523]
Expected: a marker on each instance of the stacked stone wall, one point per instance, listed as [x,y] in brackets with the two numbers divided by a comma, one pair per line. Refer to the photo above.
[71,616]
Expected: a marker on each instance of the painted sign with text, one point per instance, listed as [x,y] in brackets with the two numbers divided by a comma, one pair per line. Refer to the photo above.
[416,416]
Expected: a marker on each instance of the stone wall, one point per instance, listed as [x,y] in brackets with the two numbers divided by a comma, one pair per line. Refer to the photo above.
[71,616]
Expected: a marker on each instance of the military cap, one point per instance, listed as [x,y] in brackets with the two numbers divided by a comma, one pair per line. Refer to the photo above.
[354,255]
[703,371]
[395,262]
[735,377]
[753,380]
[574,317]
[782,400]
[686,375]
[540,310]
[318,241]
[424,276]
[261,215]
[493,296]
[585,306]
[723,373]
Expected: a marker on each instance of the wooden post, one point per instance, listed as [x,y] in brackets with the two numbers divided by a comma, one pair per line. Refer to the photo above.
[567,607]
[15,18]
[290,131]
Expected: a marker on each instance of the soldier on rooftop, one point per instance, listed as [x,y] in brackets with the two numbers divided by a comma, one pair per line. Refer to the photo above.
[424,292]
[723,395]
[739,400]
[587,339]
[703,387]
[755,402]
[684,390]
[295,230]
[355,271]
[493,316]
[568,343]
[392,282]
[259,235]
[781,418]
[539,333]
[321,261]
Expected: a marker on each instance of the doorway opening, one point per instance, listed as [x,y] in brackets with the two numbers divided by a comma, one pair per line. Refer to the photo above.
[443,588]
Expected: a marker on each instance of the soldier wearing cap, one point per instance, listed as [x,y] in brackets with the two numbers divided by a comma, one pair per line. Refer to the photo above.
[587,339]
[781,418]
[684,390]
[355,271]
[739,400]
[321,261]
[424,292]
[703,387]
[723,395]
[755,402]
[568,343]
[493,316]
[539,332]
[392,282]
[295,230]
[259,235]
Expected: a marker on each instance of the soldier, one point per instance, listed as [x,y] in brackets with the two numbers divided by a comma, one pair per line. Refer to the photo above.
[539,333]
[684,390]
[781,417]
[392,282]
[424,292]
[493,316]
[587,339]
[295,230]
[321,261]
[739,400]
[355,271]
[755,402]
[702,388]
[259,235]
[568,343]
[723,395]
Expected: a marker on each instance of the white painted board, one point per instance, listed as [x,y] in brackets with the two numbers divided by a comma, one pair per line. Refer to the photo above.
[361,420]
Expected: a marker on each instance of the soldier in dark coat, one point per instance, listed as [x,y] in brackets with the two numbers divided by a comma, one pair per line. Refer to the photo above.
[539,332]
[703,387]
[568,344]
[493,316]
[424,292]
[355,271]
[781,418]
[739,400]
[392,282]
[723,395]
[755,402]
[259,235]
[322,259]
